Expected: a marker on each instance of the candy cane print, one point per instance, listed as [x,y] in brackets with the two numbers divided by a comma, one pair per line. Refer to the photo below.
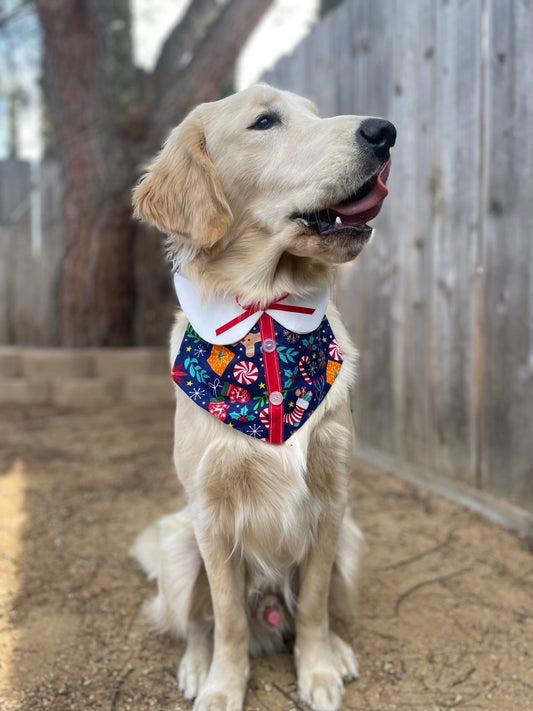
[263,417]
[305,360]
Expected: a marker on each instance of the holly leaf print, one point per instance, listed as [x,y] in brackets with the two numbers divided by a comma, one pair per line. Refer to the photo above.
[289,375]
[196,370]
[287,355]
[309,343]
[191,333]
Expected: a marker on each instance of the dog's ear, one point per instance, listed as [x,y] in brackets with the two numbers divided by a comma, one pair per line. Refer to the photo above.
[181,193]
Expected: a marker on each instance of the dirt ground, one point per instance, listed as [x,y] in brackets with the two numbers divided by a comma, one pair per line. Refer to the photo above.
[445,616]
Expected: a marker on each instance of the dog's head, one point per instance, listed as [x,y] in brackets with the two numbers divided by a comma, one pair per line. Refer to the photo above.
[260,195]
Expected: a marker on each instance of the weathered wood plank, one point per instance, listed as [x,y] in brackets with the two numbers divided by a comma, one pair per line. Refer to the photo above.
[458,124]
[52,248]
[16,250]
[14,186]
[295,70]
[408,219]
[26,292]
[375,272]
[322,79]
[342,41]
[6,288]
[507,440]
[361,41]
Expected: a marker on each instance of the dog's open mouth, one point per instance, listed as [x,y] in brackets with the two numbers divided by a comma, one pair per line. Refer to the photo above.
[353,213]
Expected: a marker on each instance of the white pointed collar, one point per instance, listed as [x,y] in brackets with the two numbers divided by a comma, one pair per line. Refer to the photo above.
[224,321]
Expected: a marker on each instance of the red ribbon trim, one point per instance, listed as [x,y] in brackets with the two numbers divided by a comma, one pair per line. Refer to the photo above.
[251,310]
[273,382]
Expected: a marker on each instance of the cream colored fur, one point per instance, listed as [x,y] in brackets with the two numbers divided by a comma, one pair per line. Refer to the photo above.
[263,523]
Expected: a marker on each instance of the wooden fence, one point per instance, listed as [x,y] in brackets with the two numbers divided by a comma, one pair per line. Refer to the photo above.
[441,303]
[31,249]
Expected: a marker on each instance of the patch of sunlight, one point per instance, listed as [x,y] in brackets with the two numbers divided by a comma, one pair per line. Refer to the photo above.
[12,519]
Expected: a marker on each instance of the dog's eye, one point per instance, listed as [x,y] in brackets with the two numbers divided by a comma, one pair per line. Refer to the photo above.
[264,122]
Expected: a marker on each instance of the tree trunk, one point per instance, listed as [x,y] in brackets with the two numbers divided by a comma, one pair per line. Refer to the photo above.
[104,130]
[96,287]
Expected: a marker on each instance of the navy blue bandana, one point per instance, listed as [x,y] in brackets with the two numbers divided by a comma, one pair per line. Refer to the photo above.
[265,385]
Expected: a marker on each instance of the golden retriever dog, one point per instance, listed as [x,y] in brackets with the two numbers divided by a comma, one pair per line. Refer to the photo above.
[260,200]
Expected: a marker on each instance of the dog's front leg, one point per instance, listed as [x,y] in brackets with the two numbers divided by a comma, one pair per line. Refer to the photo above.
[225,685]
[319,666]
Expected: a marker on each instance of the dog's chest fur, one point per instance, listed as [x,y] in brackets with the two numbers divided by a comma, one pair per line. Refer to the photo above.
[264,503]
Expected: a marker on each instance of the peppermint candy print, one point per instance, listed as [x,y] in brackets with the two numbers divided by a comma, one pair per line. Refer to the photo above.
[245,372]
[334,350]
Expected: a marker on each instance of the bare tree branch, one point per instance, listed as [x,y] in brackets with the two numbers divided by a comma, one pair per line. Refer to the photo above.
[16,12]
[180,45]
[211,64]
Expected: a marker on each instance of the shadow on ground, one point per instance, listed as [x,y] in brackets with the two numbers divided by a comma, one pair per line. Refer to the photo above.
[445,616]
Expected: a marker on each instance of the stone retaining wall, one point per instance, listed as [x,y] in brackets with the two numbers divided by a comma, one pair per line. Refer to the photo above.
[92,377]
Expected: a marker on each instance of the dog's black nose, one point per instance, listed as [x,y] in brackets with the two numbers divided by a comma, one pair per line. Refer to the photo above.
[378,134]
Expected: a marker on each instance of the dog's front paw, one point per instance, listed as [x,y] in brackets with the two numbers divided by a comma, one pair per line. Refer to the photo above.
[320,683]
[321,690]
[345,659]
[193,669]
[213,697]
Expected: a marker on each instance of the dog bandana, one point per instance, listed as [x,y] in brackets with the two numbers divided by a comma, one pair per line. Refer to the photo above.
[269,378]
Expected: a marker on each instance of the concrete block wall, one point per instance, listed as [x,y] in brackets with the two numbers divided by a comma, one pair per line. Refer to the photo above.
[92,377]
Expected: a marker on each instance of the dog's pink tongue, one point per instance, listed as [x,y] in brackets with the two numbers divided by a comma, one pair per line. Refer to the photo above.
[361,211]
[272,616]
